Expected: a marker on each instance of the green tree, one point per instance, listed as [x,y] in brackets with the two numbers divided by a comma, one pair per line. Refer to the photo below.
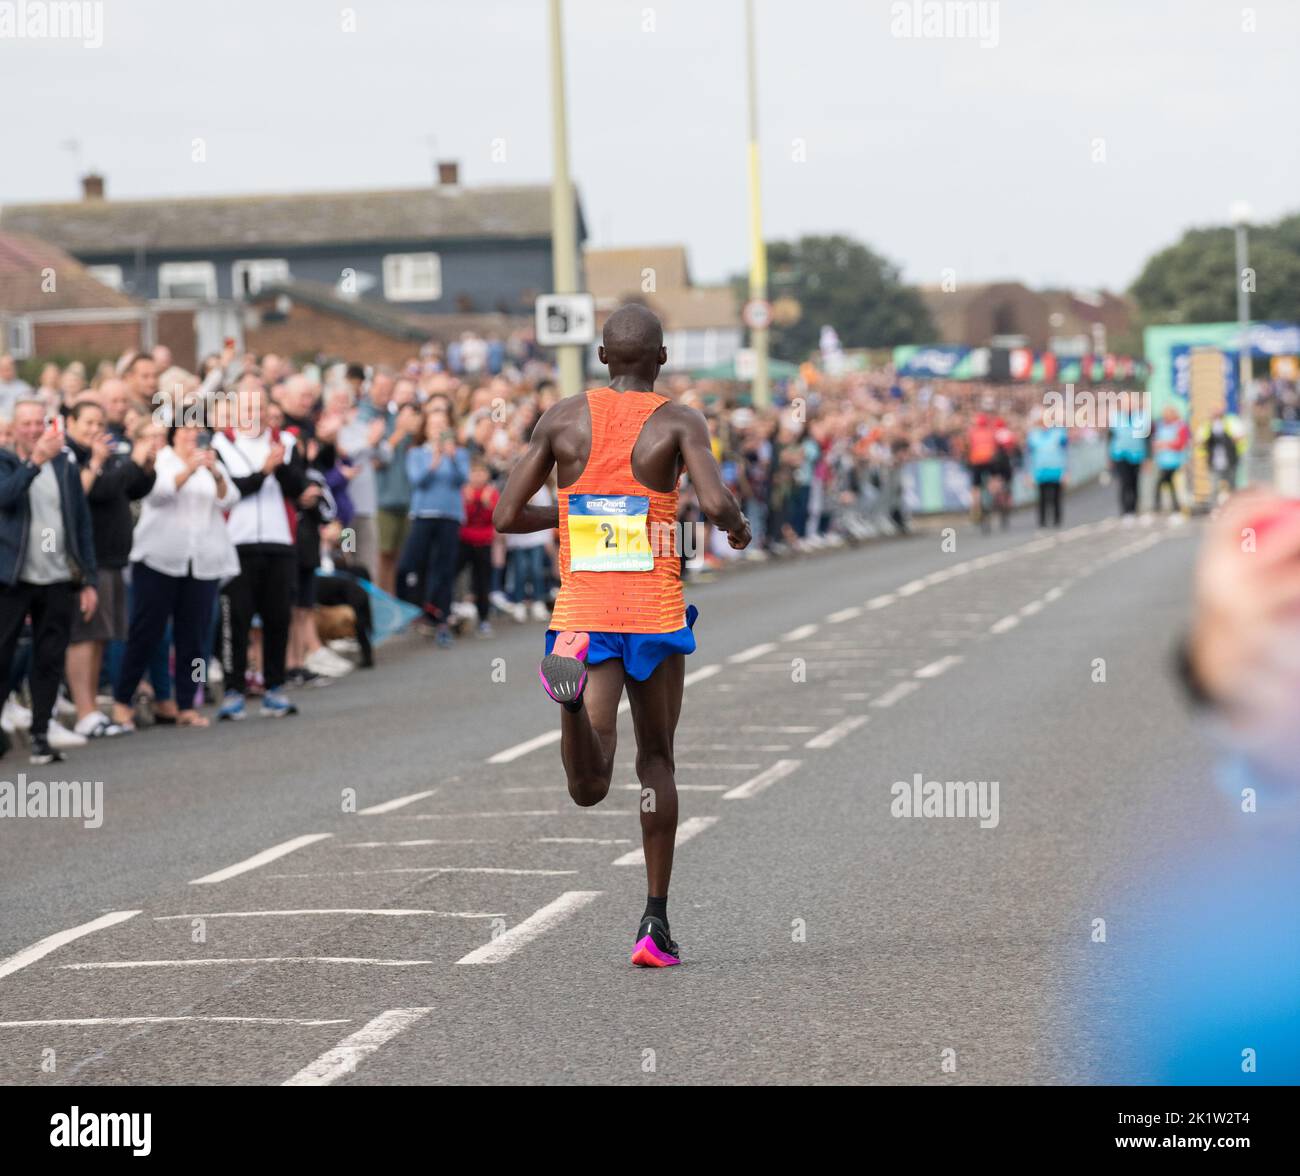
[840,281]
[1195,281]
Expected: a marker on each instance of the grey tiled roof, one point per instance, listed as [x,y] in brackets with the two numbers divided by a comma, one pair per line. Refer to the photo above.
[195,223]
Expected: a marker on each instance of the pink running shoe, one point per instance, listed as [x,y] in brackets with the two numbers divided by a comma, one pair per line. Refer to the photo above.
[654,948]
[564,670]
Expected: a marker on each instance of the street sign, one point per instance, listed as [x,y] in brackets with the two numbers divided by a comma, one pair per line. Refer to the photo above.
[566,319]
[757,314]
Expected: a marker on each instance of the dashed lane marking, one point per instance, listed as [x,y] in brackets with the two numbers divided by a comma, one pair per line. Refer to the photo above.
[833,735]
[399,802]
[689,828]
[261,859]
[764,780]
[344,1058]
[43,947]
[536,925]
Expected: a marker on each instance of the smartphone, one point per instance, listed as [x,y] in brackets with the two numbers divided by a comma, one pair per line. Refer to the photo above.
[204,440]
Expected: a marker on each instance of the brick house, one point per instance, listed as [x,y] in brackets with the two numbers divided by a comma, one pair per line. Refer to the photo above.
[702,324]
[1067,322]
[51,306]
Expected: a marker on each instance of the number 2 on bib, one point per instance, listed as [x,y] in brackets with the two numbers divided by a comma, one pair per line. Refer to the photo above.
[609,533]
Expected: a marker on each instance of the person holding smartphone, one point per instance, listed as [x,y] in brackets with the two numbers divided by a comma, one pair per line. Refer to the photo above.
[47,561]
[437,468]
[181,551]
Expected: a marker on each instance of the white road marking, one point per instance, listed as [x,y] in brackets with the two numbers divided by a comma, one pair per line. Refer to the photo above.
[43,947]
[429,870]
[934,669]
[344,1058]
[911,588]
[751,653]
[207,963]
[852,696]
[680,787]
[699,675]
[584,840]
[388,912]
[260,859]
[894,693]
[765,779]
[1005,624]
[800,633]
[881,601]
[782,730]
[845,614]
[685,831]
[1034,606]
[1054,594]
[422,841]
[173,1020]
[536,925]
[455,816]
[738,747]
[722,767]
[400,802]
[833,735]
[545,739]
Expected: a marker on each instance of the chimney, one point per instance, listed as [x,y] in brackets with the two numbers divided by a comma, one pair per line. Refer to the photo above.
[448,173]
[92,187]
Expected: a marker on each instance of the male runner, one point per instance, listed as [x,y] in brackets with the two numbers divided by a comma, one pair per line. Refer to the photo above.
[619,618]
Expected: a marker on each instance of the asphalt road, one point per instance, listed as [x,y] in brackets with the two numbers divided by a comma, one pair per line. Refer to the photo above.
[480,932]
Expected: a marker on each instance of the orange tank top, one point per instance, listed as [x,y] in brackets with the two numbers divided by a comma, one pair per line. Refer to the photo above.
[619,562]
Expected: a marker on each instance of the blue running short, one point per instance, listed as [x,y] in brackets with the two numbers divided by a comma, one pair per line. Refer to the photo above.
[641,653]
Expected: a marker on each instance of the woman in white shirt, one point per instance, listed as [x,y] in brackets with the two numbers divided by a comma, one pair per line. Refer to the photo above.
[181,551]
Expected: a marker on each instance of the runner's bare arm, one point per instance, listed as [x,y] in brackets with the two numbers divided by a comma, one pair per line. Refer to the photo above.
[716,501]
[514,514]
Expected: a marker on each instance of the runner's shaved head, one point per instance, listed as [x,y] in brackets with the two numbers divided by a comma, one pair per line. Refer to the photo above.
[633,335]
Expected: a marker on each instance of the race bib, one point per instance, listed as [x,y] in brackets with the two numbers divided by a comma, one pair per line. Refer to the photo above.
[609,533]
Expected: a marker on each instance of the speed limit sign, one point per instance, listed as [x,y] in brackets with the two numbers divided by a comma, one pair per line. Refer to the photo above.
[757,314]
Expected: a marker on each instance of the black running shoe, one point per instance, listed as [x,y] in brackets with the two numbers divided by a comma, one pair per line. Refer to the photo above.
[654,946]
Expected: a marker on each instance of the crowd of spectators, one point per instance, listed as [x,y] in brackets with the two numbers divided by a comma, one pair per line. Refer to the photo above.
[172,541]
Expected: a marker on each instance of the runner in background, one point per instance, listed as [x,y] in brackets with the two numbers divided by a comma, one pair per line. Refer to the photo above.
[1005,463]
[981,453]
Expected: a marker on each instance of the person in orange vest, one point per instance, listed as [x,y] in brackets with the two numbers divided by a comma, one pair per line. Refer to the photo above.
[981,455]
[620,619]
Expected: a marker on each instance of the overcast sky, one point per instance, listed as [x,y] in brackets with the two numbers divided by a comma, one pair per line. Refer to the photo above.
[937,152]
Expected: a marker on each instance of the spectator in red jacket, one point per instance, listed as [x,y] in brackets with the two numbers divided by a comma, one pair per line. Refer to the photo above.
[476,535]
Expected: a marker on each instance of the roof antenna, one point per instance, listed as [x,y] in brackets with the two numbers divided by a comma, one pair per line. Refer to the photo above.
[432,140]
[73,147]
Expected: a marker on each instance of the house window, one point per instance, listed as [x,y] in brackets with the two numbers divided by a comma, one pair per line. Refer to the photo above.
[187,279]
[17,338]
[412,277]
[248,277]
[110,275]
